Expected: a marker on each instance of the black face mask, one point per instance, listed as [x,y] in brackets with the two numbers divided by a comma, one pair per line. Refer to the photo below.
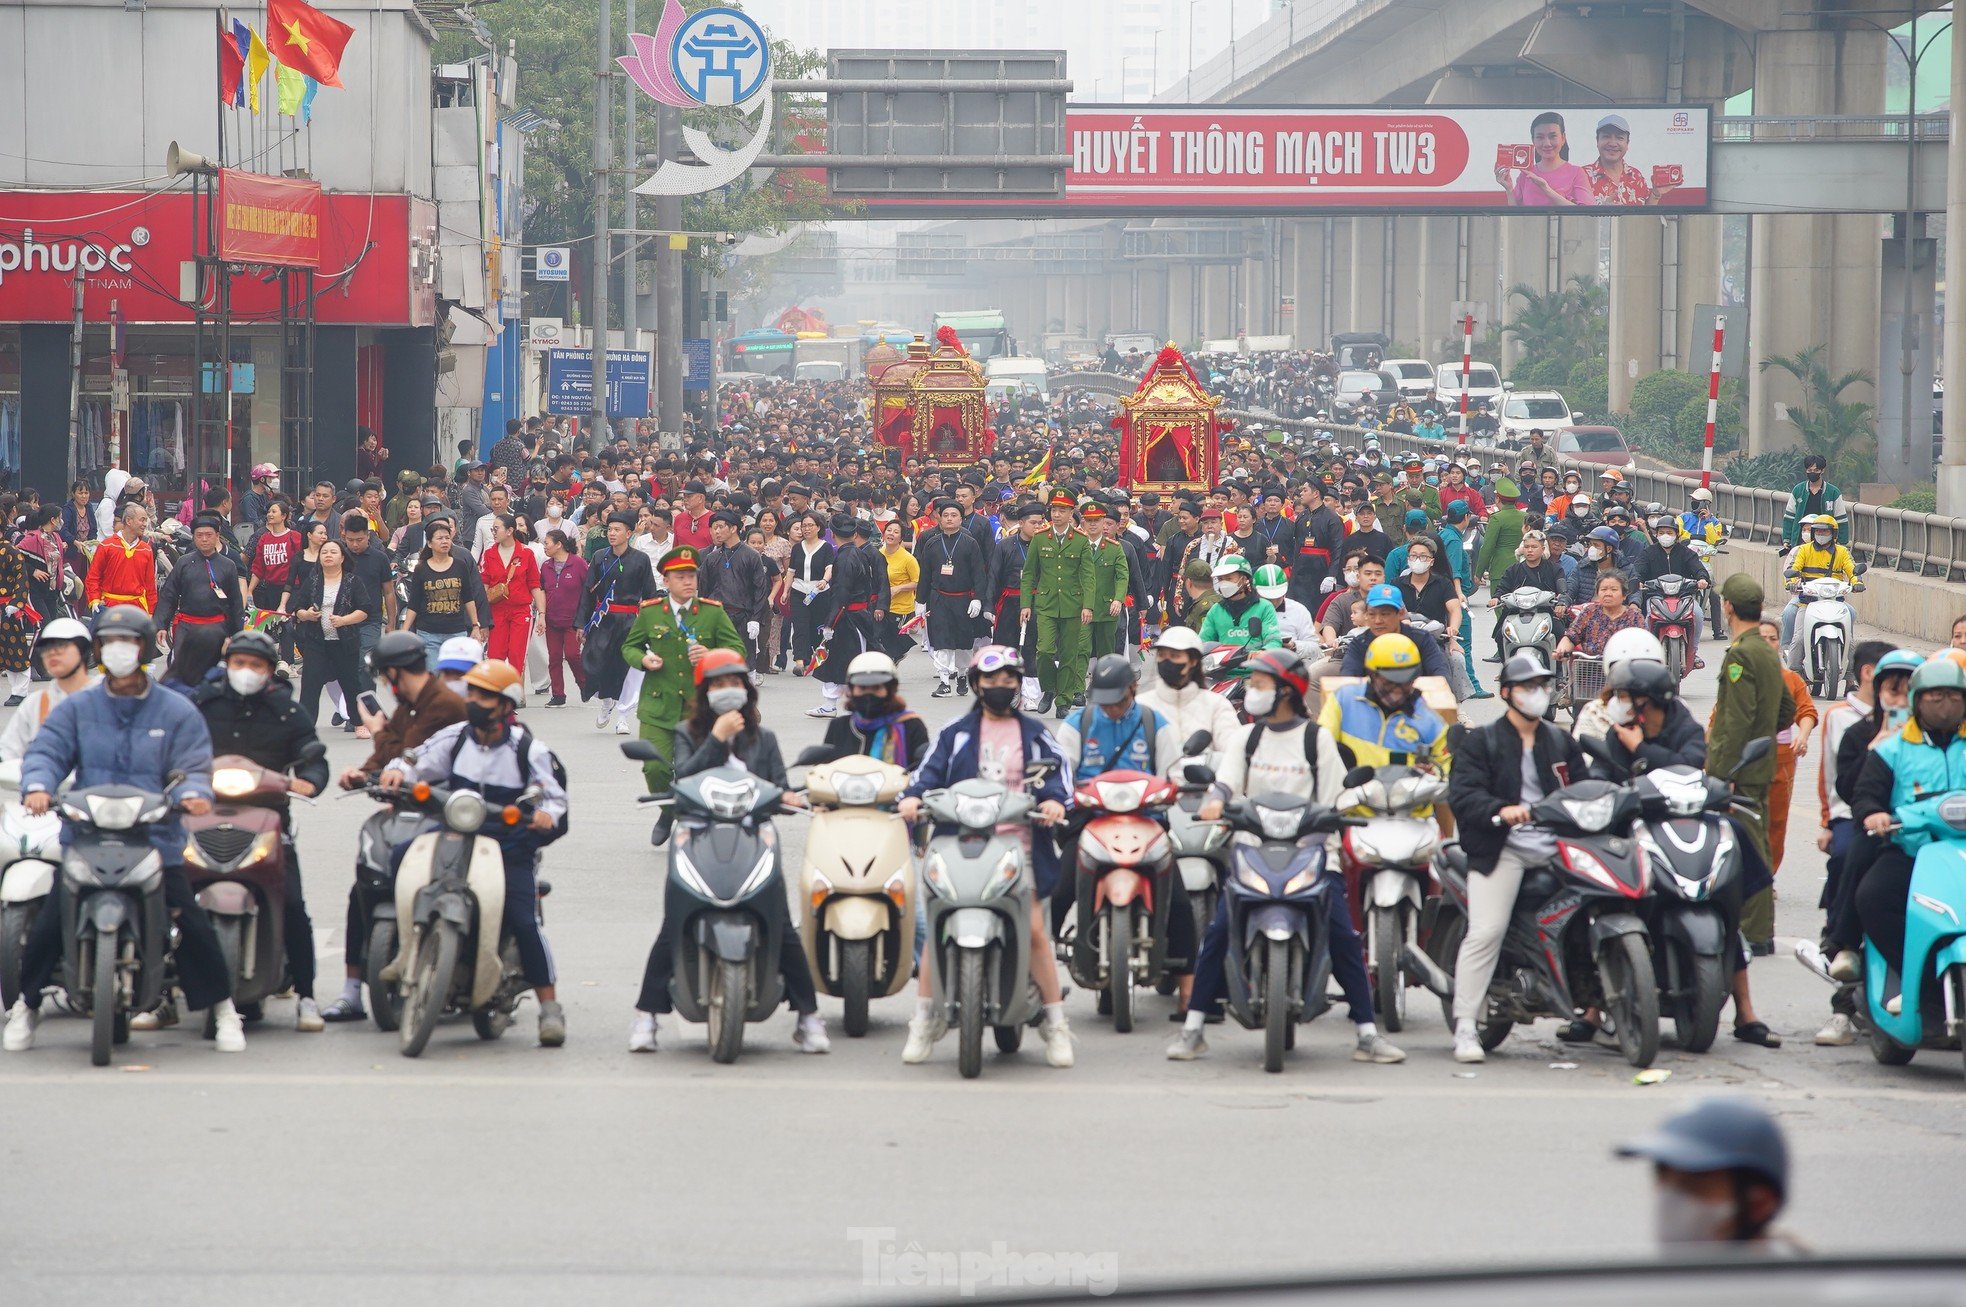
[1172,674]
[483,718]
[1814,474]
[999,699]
[868,705]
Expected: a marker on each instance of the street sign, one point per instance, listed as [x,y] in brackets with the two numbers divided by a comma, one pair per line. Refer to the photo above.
[1733,348]
[545,333]
[698,363]
[570,382]
[553,263]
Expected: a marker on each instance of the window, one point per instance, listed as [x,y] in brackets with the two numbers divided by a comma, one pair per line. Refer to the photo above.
[1590,441]
[1540,410]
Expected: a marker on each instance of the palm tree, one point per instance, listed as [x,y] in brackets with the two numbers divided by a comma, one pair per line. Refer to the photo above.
[1843,431]
[1541,323]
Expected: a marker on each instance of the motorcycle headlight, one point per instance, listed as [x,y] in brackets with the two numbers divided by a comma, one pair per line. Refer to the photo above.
[465,811]
[194,858]
[729,799]
[1121,796]
[1591,814]
[857,789]
[976,812]
[1303,880]
[1279,823]
[109,813]
[692,879]
[233,782]
[1249,880]
[1005,875]
[935,873]
[263,845]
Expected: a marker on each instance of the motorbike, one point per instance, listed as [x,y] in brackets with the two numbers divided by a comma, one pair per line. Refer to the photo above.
[386,830]
[115,927]
[1705,552]
[1387,864]
[1577,938]
[450,899]
[1126,875]
[30,851]
[1672,613]
[1823,631]
[1225,667]
[1201,848]
[978,895]
[1528,621]
[724,866]
[235,858]
[856,883]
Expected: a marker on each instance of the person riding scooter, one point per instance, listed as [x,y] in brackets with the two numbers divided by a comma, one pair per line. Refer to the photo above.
[63,652]
[491,753]
[878,723]
[1818,555]
[1179,690]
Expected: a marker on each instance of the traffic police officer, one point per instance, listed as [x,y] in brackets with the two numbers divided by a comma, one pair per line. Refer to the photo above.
[1752,701]
[1057,586]
[1111,580]
[670,636]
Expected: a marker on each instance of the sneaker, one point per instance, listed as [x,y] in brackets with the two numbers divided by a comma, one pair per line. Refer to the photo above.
[1375,1047]
[942,690]
[13,701]
[552,1024]
[337,720]
[1895,1005]
[962,686]
[144,1022]
[1187,1046]
[557,701]
[602,718]
[1482,694]
[923,1032]
[1846,966]
[21,1020]
[1057,1043]
[1467,1044]
[809,1033]
[1576,1032]
[229,1029]
[641,1039]
[308,1019]
[344,1010]
[543,687]
[1840,1032]
[821,711]
[621,727]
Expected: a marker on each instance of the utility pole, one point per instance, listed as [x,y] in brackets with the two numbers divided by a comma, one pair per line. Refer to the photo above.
[630,278]
[669,283]
[603,239]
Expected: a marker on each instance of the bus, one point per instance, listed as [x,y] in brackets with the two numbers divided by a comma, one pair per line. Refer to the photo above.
[981,331]
[765,351]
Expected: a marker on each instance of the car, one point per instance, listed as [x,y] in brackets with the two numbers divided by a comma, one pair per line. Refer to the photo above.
[1523,410]
[1415,376]
[1357,388]
[1484,383]
[1604,445]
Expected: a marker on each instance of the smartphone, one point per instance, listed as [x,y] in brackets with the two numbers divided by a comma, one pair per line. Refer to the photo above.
[370,704]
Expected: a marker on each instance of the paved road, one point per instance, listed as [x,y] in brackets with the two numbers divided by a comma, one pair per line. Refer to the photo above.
[316,1168]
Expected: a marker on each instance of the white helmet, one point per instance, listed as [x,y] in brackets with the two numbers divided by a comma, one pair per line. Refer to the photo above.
[67,628]
[1632,645]
[1180,638]
[1702,495]
[872,668]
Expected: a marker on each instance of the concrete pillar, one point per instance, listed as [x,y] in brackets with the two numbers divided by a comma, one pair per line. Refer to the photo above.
[1525,261]
[1340,272]
[1481,275]
[1700,242]
[1905,458]
[1366,309]
[1181,319]
[1952,459]
[1636,244]
[1438,285]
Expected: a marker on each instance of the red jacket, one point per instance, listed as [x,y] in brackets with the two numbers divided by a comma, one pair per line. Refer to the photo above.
[520,577]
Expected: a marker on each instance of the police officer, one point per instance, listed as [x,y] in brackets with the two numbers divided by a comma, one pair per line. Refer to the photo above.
[1058,586]
[1752,701]
[1111,580]
[669,638]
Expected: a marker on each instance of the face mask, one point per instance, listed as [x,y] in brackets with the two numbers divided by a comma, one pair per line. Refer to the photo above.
[455,685]
[1941,722]
[1172,674]
[245,680]
[1815,474]
[1618,712]
[1679,1218]
[1258,703]
[998,699]
[1351,576]
[1594,553]
[272,483]
[1433,481]
[119,658]
[727,698]
[1227,589]
[482,717]
[1580,510]
[1419,566]
[1666,539]
[1821,538]
[1531,703]
[868,705]
[554,510]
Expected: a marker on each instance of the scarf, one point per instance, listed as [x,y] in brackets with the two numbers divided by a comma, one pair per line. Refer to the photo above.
[884,740]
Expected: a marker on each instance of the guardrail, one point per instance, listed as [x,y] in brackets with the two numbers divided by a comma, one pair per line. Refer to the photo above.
[1916,544]
[1740,129]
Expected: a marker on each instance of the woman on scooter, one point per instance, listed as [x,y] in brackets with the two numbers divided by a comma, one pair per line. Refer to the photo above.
[723,730]
[63,649]
[1179,692]
[878,722]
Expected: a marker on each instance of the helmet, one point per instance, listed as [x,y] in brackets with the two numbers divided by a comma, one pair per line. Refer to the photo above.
[257,643]
[129,620]
[261,471]
[1183,638]
[1287,666]
[496,676]
[1937,674]
[460,653]
[399,649]
[724,662]
[1112,677]
[1394,657]
[872,668]
[1718,1134]
[1633,642]
[1604,533]
[66,628]
[1824,520]
[1643,678]
[994,658]
[1530,664]
[1231,565]
[1703,496]
[1271,582]
[1898,660]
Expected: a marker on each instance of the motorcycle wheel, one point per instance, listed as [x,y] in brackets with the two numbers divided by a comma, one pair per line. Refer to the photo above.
[1386,940]
[1829,662]
[429,986]
[1276,1004]
[969,997]
[15,919]
[102,999]
[490,1023]
[232,943]
[1631,996]
[1119,966]
[729,1002]
[385,997]
[1696,1017]
[1888,1051]
[856,983]
[1676,657]
[1009,1038]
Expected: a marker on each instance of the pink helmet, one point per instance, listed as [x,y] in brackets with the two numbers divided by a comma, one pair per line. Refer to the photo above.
[261,471]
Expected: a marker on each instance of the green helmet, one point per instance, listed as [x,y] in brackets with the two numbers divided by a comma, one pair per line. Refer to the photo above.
[1937,674]
[1231,565]
[1271,583]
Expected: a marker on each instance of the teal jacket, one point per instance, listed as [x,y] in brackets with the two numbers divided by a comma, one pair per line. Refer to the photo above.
[1918,768]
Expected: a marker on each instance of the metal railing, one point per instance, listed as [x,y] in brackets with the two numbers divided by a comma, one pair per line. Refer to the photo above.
[1831,127]
[1915,544]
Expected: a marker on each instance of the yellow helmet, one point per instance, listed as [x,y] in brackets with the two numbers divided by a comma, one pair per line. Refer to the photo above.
[1820,519]
[1394,657]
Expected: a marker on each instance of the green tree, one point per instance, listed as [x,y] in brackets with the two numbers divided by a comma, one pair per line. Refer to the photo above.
[1588,387]
[1664,395]
[1844,431]
[1558,330]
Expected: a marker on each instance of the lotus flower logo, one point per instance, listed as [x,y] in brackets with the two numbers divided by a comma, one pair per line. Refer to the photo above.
[712,57]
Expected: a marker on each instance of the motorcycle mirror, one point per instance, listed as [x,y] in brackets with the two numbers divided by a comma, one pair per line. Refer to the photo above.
[1197,743]
[1751,753]
[1357,776]
[1199,773]
[639,750]
[1862,568]
[814,754]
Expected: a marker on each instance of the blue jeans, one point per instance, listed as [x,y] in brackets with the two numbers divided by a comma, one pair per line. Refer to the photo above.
[366,635]
[431,644]
[1467,647]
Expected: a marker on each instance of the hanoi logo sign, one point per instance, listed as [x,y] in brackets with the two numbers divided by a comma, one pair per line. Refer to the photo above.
[720,56]
[712,58]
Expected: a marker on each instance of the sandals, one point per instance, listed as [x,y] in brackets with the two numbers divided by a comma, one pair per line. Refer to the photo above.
[1577,1032]
[1757,1032]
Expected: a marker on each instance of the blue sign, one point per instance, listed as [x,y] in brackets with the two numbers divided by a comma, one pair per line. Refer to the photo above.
[553,263]
[699,370]
[570,382]
[720,56]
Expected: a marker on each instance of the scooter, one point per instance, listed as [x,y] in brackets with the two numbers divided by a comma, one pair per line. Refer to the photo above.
[386,830]
[1672,613]
[450,897]
[856,883]
[1386,862]
[1528,621]
[1126,888]
[30,850]
[1577,938]
[1705,552]
[1225,669]
[1823,631]
[1201,848]
[1933,1012]
[978,895]
[115,927]
[724,868]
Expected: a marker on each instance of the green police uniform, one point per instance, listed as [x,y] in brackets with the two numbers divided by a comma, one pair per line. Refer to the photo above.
[1110,580]
[668,691]
[1752,701]
[1057,585]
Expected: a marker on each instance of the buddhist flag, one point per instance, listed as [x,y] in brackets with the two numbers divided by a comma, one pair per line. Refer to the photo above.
[304,38]
[257,61]
[231,66]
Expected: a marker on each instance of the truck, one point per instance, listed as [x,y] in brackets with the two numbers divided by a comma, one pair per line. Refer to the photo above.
[1015,378]
[982,331]
[826,358]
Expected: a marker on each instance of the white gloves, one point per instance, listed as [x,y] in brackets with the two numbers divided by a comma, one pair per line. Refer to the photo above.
[1330,584]
[975,607]
[751,629]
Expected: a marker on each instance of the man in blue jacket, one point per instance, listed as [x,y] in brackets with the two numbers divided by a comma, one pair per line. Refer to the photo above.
[125,731]
[1385,613]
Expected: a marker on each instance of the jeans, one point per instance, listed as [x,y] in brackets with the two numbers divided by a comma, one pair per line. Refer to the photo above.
[1789,611]
[367,634]
[522,920]
[1491,902]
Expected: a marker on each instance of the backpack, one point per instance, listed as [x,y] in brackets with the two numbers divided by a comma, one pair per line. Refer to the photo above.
[1149,721]
[1310,749]
[522,741]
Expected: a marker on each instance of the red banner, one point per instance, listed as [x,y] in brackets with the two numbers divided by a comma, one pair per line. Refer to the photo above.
[268,220]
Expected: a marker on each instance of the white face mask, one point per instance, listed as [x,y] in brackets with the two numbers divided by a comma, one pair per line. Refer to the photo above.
[1351,576]
[272,483]
[1618,711]
[1594,553]
[1680,1218]
[1259,703]
[119,658]
[1822,539]
[1419,566]
[554,510]
[1227,589]
[247,681]
[1666,539]
[1532,703]
[725,699]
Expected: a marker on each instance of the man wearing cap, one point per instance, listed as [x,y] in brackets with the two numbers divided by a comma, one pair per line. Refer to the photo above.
[618,582]
[1058,586]
[1366,533]
[1751,700]
[1385,614]
[200,603]
[473,502]
[1319,535]
[1416,483]
[957,573]
[669,637]
[734,575]
[692,517]
[1112,581]
[1720,1175]
[1612,180]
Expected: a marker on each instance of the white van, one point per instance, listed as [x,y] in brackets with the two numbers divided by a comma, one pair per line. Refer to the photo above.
[1020,375]
[1415,377]
[1484,383]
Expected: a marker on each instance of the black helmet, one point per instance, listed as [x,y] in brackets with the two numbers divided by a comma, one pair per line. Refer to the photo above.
[402,650]
[1112,677]
[1530,664]
[128,620]
[257,643]
[1642,678]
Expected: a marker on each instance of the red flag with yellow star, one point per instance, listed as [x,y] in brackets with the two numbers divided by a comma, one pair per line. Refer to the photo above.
[303,38]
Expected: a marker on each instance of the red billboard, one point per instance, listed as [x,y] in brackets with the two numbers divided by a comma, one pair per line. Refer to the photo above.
[132,247]
[268,220]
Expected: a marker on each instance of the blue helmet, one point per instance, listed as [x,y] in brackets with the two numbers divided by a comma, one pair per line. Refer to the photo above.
[1718,1134]
[1898,660]
[1604,533]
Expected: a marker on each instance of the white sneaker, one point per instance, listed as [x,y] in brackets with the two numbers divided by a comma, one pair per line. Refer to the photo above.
[641,1039]
[1467,1044]
[923,1034]
[307,1018]
[821,711]
[1840,1032]
[809,1033]
[1895,1005]
[21,1020]
[1846,966]
[1187,1046]
[229,1029]
[621,727]
[1057,1043]
[601,718]
[145,1021]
